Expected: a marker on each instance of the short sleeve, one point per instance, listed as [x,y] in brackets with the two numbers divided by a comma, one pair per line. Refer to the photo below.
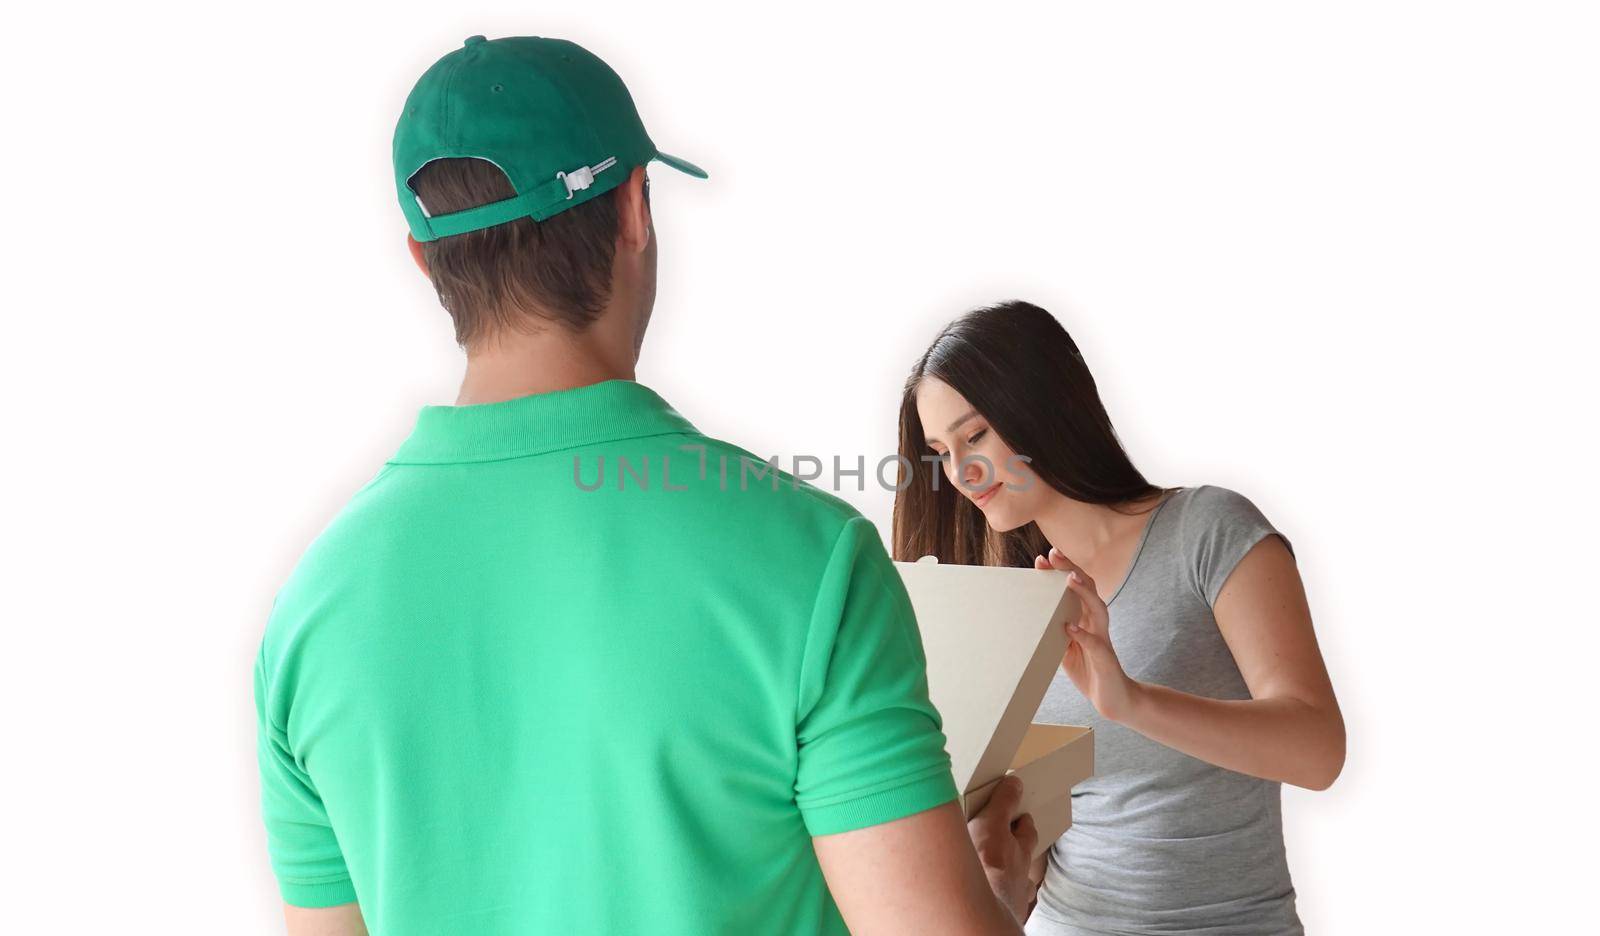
[1219,527]
[305,856]
[871,746]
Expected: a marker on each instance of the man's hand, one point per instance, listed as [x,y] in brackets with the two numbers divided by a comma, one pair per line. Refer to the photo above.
[1005,838]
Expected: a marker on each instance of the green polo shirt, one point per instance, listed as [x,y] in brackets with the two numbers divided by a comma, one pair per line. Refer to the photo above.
[566,665]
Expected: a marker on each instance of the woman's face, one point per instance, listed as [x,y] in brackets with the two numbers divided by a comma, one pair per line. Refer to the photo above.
[976,461]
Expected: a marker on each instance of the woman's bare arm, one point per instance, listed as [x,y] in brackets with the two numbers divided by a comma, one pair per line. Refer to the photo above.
[1290,729]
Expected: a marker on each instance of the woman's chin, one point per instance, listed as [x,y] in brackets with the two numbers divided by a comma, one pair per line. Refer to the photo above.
[1003,521]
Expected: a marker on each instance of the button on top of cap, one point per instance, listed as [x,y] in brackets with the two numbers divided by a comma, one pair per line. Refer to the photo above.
[473,40]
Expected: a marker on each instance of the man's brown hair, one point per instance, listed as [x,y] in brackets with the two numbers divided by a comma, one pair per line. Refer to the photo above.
[520,273]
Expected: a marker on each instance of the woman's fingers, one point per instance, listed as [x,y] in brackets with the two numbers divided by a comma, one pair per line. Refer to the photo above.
[1095,617]
[1059,560]
[1095,648]
[1101,676]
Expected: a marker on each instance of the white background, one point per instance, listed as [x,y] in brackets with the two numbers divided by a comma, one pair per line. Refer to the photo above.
[1339,257]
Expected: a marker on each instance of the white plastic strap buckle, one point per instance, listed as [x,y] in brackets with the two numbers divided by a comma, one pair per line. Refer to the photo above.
[583,177]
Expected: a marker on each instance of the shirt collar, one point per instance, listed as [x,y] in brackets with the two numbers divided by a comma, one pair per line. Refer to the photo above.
[544,422]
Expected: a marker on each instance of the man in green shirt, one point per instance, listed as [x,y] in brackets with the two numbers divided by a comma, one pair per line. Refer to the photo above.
[566,664]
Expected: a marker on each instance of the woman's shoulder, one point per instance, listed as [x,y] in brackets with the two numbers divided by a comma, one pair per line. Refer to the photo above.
[1211,503]
[1215,526]
[1208,507]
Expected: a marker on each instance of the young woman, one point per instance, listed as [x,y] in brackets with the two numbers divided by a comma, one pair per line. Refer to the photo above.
[1194,658]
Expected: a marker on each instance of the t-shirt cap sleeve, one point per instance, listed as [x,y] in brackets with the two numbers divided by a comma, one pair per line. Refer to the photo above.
[870,744]
[1219,528]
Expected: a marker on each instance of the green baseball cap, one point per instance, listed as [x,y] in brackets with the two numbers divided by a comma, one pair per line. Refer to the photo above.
[556,119]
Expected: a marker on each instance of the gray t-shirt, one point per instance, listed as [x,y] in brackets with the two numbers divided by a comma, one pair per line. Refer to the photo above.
[1162,842]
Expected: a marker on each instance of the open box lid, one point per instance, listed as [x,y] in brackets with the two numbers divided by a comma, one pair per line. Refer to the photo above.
[993,637]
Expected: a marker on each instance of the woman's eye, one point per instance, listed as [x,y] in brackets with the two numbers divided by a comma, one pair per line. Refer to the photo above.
[976,436]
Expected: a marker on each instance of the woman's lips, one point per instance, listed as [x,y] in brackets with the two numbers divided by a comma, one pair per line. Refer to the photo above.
[983,496]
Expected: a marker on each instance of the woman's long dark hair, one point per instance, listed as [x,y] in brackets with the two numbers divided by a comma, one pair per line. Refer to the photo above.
[1002,358]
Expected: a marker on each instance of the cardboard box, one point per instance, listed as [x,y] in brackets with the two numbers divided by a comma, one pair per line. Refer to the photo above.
[993,637]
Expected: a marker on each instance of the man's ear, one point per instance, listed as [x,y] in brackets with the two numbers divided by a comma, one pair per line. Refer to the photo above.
[416,254]
[633,213]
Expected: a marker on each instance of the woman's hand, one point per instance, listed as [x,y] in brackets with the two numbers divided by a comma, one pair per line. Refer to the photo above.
[1090,661]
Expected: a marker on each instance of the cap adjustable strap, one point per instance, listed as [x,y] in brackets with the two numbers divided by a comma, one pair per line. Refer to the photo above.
[533,203]
[583,177]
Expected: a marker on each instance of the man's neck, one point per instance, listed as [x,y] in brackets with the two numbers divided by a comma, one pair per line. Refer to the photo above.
[522,365]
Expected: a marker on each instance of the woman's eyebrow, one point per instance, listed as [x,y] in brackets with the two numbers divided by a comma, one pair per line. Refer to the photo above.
[969,414]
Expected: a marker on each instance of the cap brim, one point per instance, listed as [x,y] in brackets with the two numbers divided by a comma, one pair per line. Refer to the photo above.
[682,165]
